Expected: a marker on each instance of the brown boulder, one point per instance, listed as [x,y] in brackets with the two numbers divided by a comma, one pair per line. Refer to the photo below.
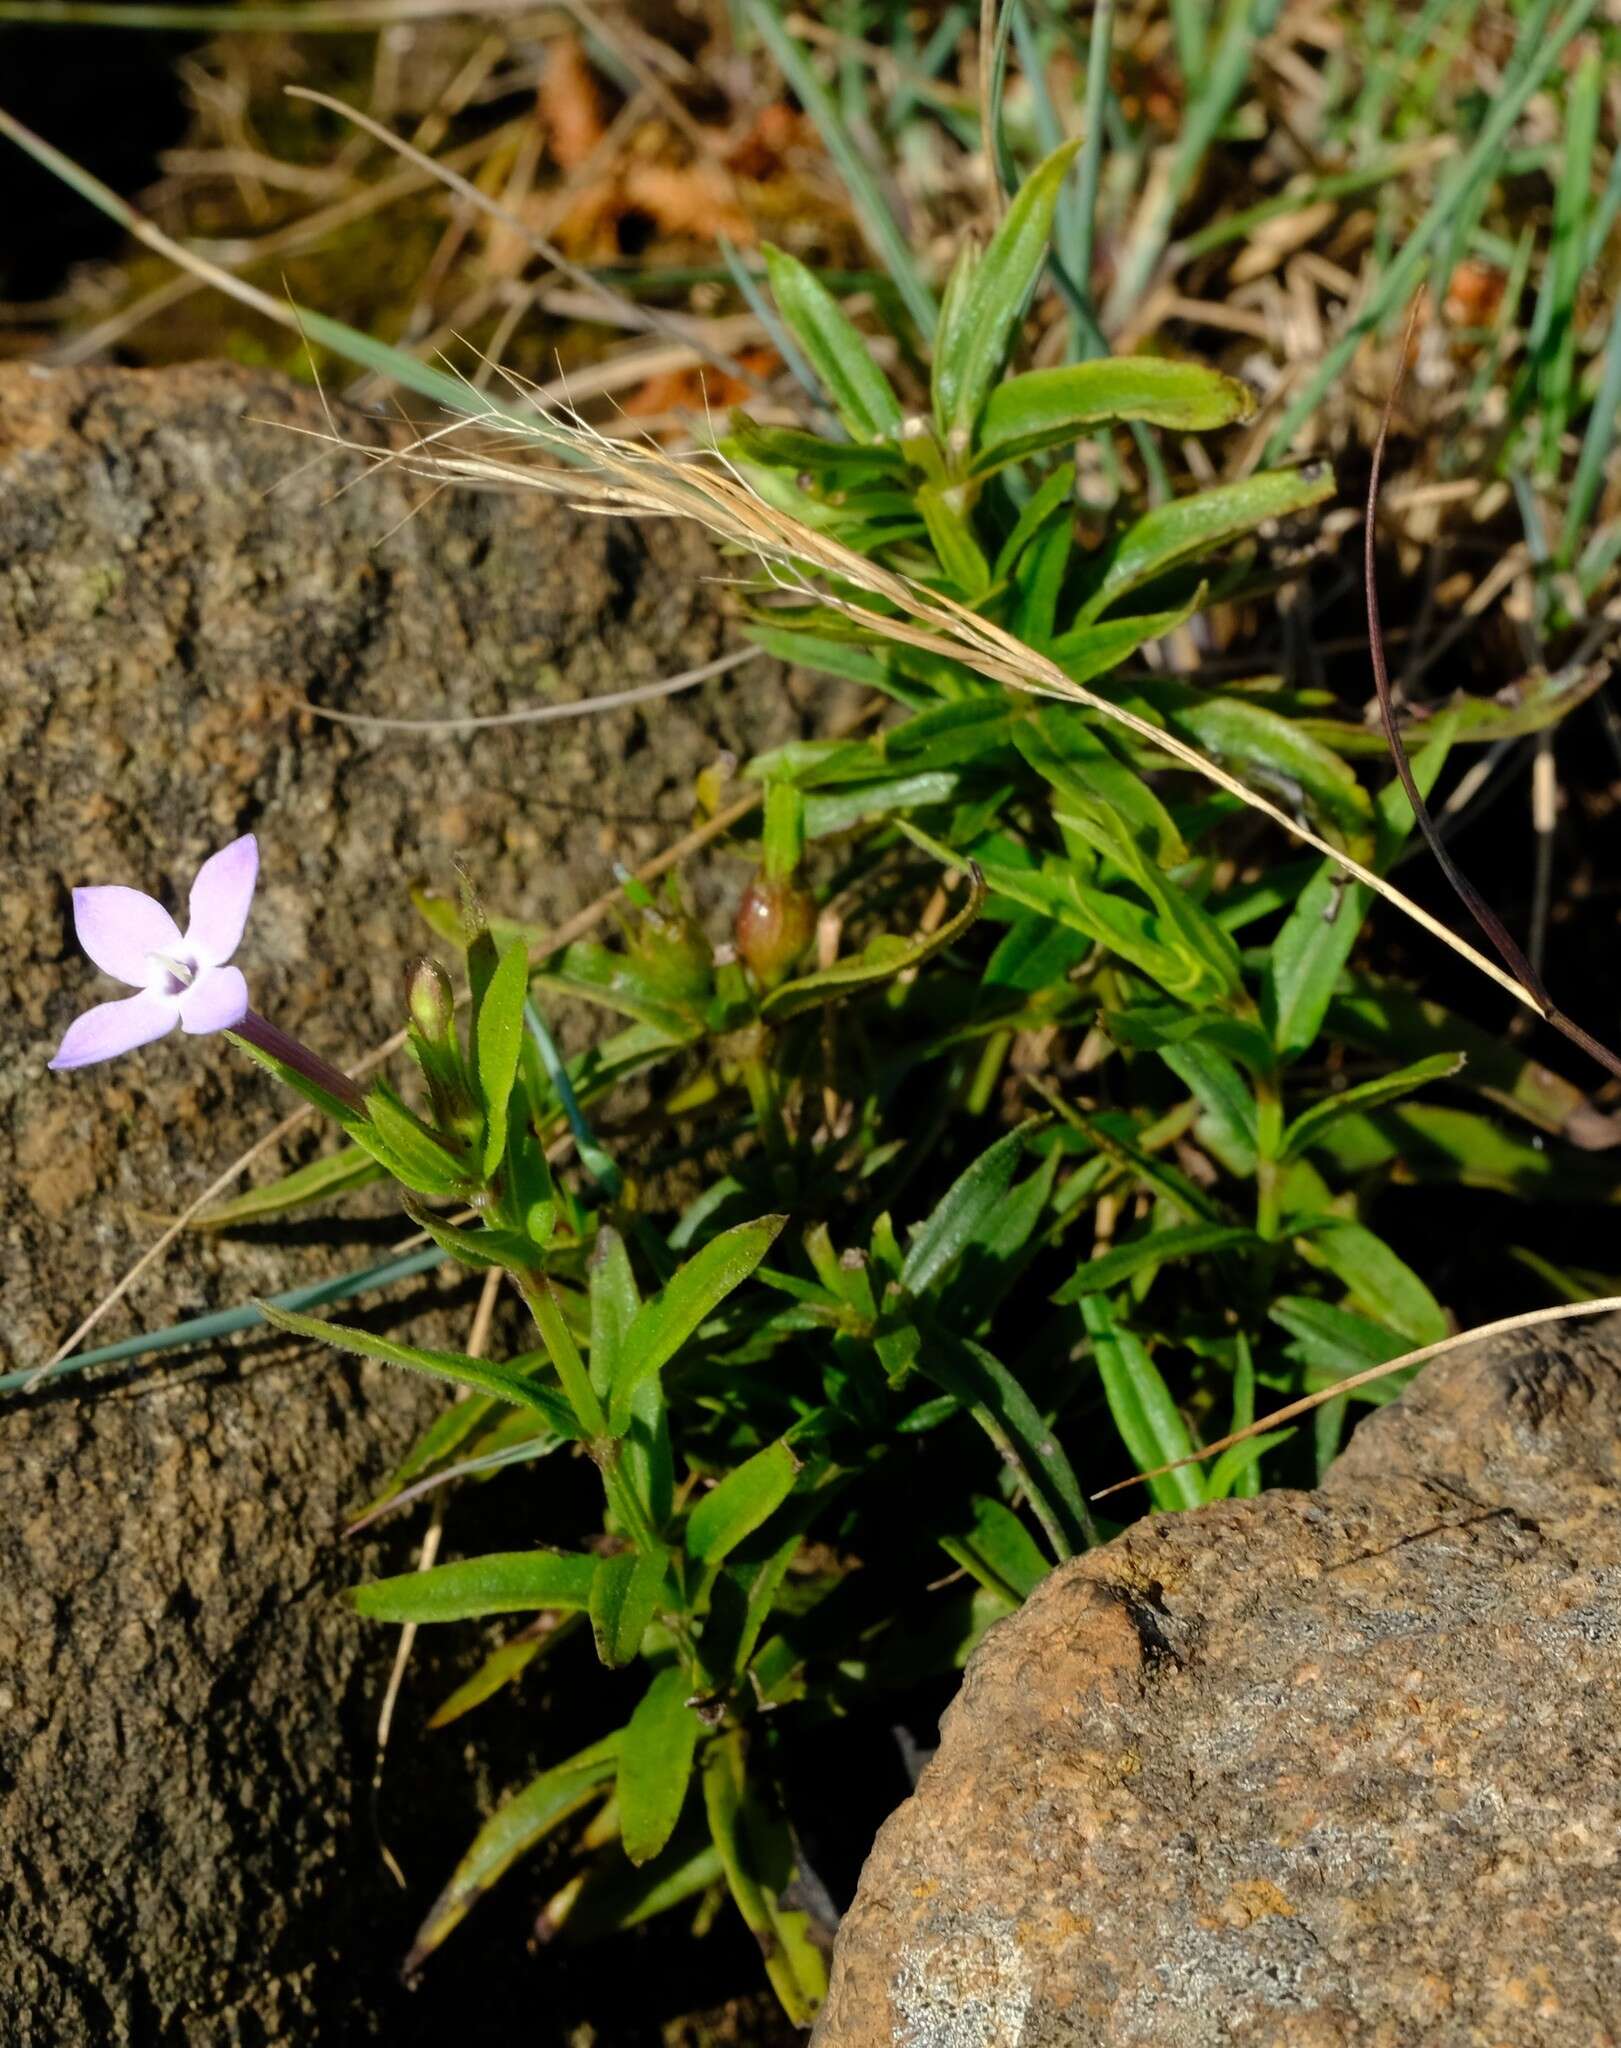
[1315,1769]
[186,1712]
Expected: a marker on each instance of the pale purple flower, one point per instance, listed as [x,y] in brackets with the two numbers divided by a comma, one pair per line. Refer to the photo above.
[181,978]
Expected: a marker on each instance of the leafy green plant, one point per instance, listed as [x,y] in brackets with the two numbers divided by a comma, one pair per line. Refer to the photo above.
[729,1422]
[1133,1099]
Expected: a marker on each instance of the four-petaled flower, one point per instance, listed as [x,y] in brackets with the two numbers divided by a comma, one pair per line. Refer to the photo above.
[182,978]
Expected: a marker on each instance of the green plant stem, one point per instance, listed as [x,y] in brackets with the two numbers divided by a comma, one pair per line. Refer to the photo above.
[767,1110]
[1269,1121]
[627,1504]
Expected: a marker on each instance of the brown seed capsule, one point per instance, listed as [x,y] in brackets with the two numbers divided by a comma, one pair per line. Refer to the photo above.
[775,923]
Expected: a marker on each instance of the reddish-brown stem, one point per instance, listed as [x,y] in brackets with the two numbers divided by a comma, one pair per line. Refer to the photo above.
[292,1052]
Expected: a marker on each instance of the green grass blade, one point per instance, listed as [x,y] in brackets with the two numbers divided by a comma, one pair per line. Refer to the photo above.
[1209,103]
[1596,444]
[1545,42]
[882,230]
[226,1322]
[456,394]
[455,1366]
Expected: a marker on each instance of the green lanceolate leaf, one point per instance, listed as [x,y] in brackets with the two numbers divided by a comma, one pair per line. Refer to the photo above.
[1237,1464]
[614,1304]
[404,1144]
[499,1380]
[952,537]
[1052,408]
[1160,1248]
[1115,1136]
[757,1854]
[512,1250]
[625,1593]
[1310,1125]
[1186,527]
[999,1551]
[963,1213]
[736,1507]
[597,974]
[617,1896]
[1092,650]
[1308,956]
[664,1324]
[984,1386]
[504,1666]
[1230,1123]
[1334,1342]
[338,1173]
[511,1831]
[959,283]
[443,917]
[1150,1426]
[1077,760]
[839,810]
[1178,942]
[503,1582]
[1392,1022]
[1264,749]
[842,465]
[1435,1143]
[969,355]
[655,1763]
[497,1041]
[860,391]
[1051,505]
[1377,1280]
[758,1583]
[877,963]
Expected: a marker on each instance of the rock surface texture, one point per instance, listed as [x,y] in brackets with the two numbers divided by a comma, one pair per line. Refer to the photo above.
[186,1711]
[1314,1769]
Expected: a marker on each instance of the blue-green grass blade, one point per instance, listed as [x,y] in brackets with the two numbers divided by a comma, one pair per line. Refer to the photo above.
[882,230]
[1596,444]
[1544,40]
[226,1322]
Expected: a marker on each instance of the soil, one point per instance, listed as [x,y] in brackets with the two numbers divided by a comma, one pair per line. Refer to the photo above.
[187,1713]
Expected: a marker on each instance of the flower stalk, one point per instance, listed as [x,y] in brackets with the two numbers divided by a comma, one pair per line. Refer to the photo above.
[280,1045]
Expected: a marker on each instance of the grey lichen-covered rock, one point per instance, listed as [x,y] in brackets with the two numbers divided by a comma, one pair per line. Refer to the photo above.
[186,1712]
[1315,1769]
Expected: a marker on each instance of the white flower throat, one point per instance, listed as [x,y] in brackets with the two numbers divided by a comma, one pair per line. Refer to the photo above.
[179,973]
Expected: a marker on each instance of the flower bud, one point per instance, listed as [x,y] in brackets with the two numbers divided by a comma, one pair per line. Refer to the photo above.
[776,921]
[432,1001]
